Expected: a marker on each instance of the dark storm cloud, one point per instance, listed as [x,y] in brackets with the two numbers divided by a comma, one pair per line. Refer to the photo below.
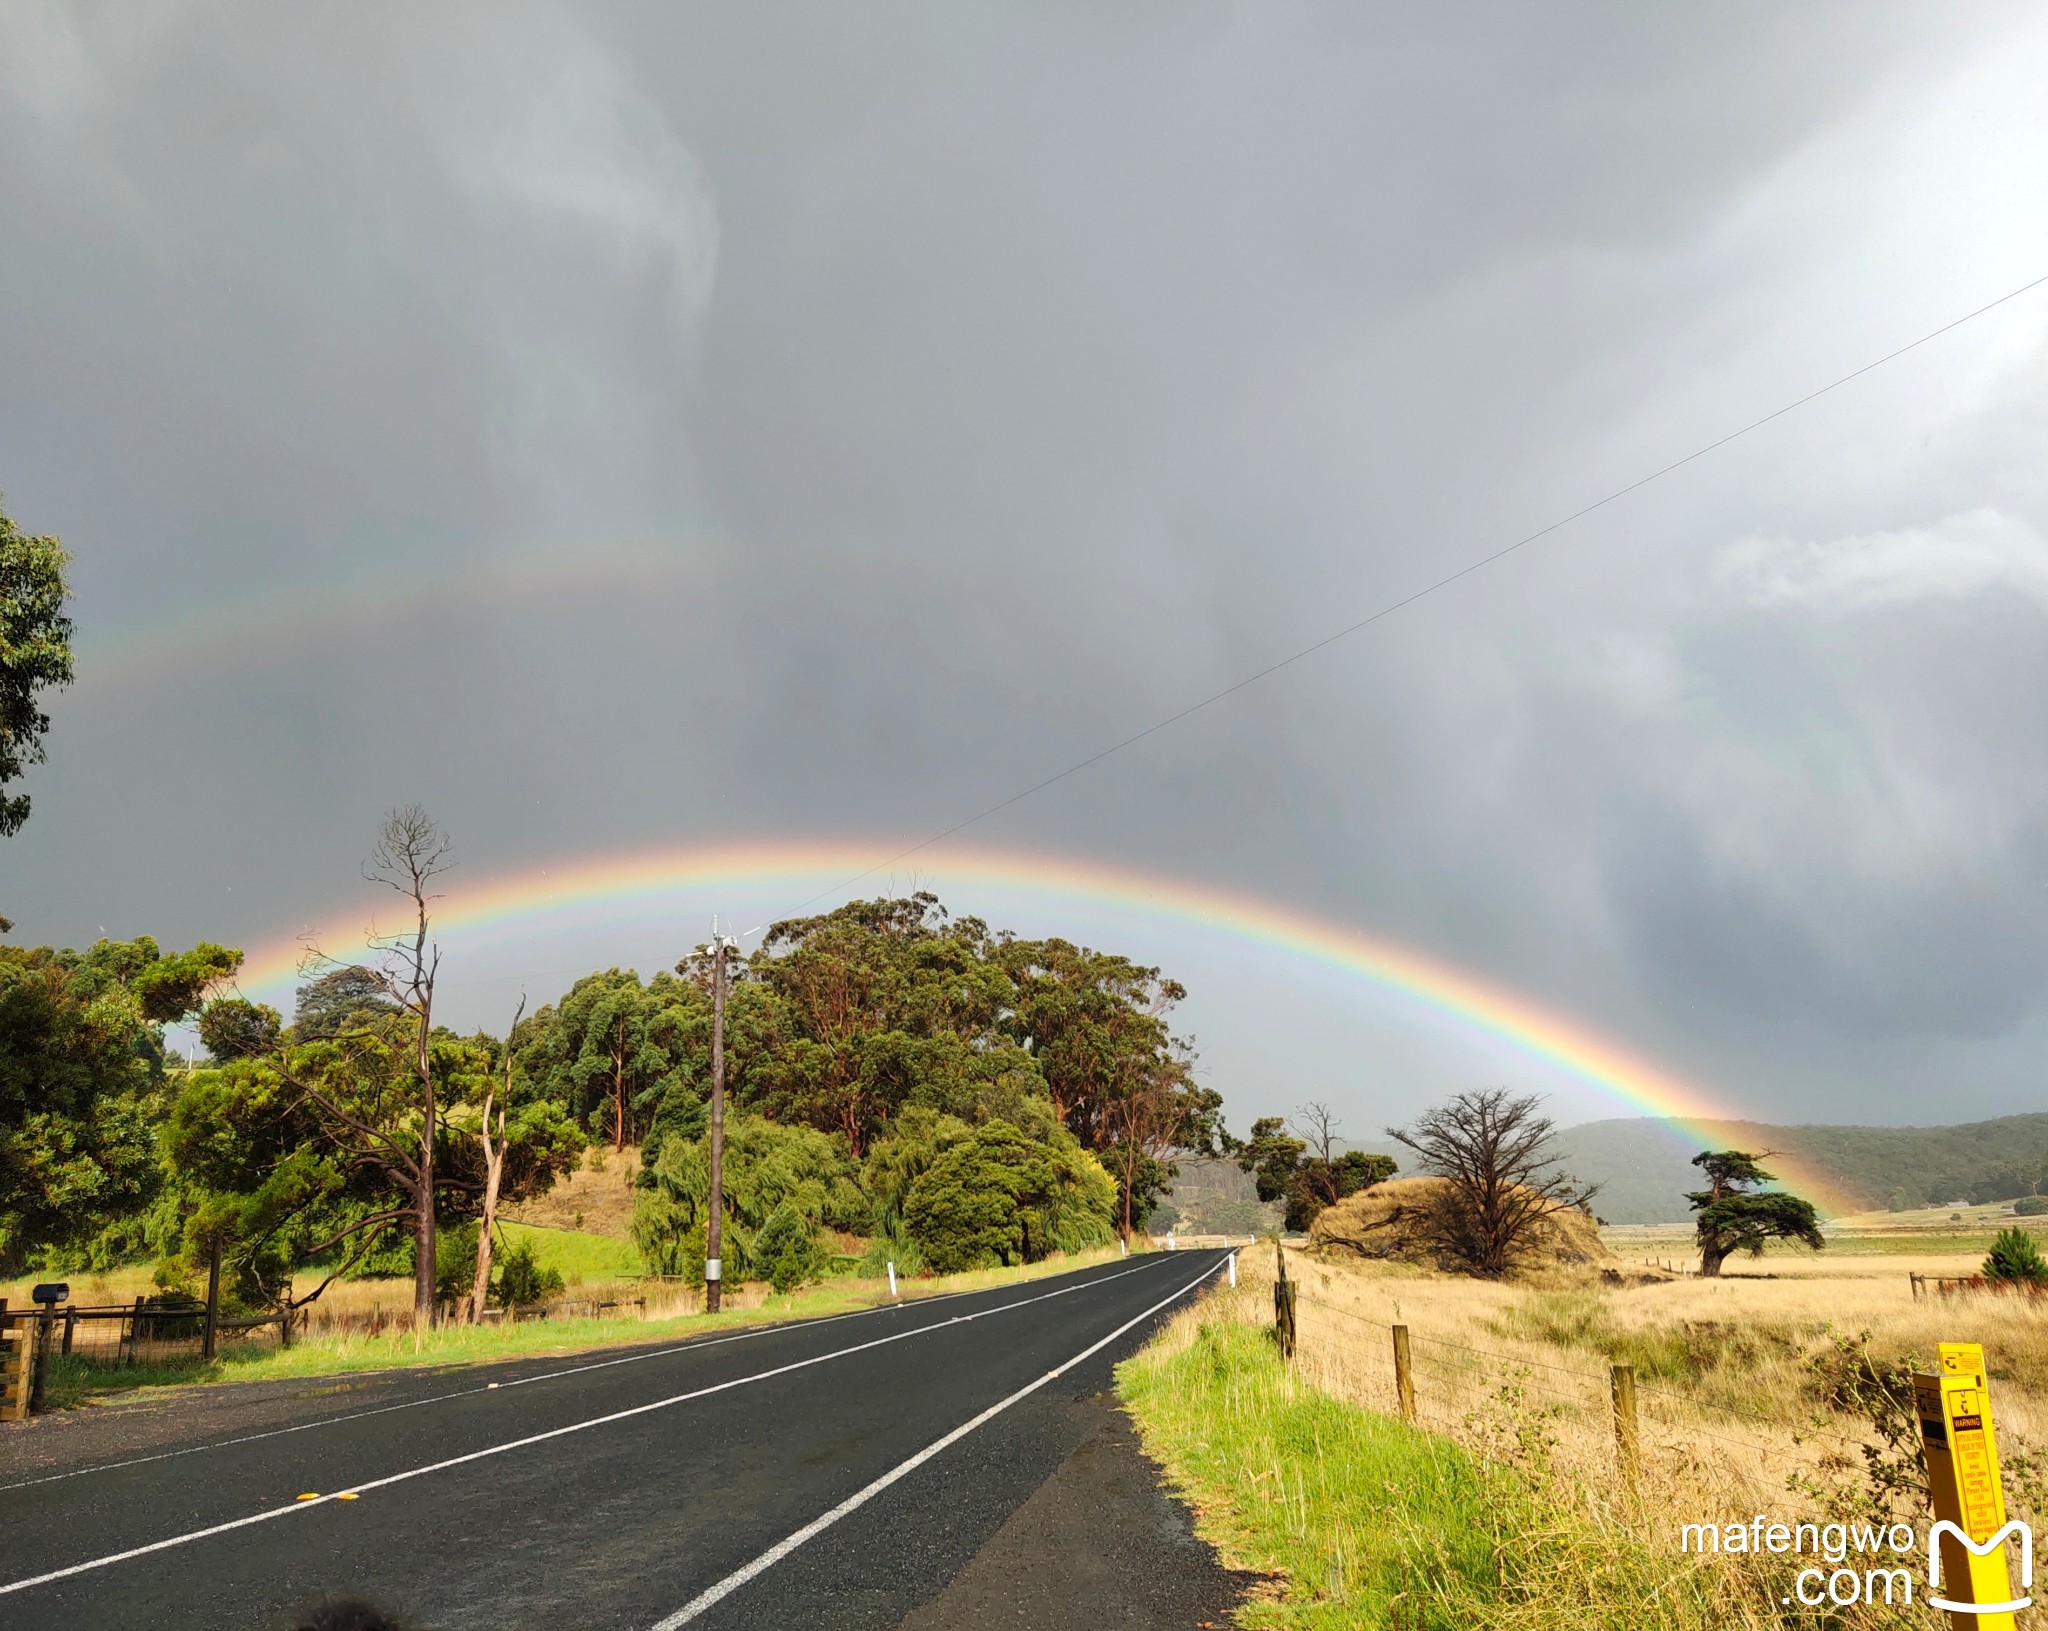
[997,381]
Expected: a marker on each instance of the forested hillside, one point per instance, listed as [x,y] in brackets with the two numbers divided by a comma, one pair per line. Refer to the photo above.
[901,1082]
[1644,1165]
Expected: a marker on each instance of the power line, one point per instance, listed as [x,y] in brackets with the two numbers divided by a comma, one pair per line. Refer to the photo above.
[1408,600]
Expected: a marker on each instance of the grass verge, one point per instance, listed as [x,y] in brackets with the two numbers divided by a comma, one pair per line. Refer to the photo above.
[1359,1520]
[1355,1518]
[73,1381]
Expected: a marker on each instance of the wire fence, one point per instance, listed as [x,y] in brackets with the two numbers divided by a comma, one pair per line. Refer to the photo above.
[1577,1420]
[1599,1381]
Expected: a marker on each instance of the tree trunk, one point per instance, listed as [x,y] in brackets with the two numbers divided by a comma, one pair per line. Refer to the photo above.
[1712,1256]
[494,1172]
[619,1089]
[423,1309]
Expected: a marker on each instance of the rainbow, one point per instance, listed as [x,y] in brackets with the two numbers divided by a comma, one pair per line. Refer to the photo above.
[281,625]
[588,890]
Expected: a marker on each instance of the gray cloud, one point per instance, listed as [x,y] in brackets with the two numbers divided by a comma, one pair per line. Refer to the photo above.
[965,390]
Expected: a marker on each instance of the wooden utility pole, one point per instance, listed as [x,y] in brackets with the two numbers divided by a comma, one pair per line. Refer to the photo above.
[713,1224]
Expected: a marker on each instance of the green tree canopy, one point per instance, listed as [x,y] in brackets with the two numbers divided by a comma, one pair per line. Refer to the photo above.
[35,655]
[1285,1170]
[2015,1259]
[767,1166]
[338,1000]
[82,1084]
[614,1051]
[1735,1212]
[1002,1195]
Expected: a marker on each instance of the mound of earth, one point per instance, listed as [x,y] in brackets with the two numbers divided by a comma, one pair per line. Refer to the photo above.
[1397,1222]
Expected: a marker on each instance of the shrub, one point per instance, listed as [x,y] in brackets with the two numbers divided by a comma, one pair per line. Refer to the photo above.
[892,1244]
[521,1280]
[962,1210]
[767,1166]
[2015,1259]
[790,1249]
[1003,1195]
[2031,1206]
[455,1260]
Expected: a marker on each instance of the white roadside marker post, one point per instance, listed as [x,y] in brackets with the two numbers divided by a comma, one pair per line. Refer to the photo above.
[1233,1271]
[892,1281]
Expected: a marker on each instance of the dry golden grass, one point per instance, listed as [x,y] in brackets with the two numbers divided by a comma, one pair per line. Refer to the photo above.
[596,1198]
[1726,1410]
[1518,1376]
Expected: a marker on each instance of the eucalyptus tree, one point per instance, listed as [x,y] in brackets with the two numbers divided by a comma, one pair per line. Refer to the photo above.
[35,655]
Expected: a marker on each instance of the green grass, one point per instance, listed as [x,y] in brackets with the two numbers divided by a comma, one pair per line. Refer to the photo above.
[1350,1512]
[575,1255]
[77,1380]
[1359,1521]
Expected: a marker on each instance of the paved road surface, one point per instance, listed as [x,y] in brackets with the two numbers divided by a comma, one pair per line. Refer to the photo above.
[833,1474]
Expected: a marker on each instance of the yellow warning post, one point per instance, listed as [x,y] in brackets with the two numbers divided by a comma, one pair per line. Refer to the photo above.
[1969,1533]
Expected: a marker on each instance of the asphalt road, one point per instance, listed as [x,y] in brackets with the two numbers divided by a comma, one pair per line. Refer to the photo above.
[837,1473]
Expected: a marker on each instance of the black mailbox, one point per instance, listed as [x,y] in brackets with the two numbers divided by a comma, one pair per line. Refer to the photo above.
[50,1294]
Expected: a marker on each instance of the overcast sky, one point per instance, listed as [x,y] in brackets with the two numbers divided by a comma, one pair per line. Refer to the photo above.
[617,427]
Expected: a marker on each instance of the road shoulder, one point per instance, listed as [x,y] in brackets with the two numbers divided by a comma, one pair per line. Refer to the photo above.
[1100,1543]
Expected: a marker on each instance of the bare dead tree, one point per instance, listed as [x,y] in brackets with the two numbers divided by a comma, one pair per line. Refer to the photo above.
[493,1141]
[1315,1124]
[411,851]
[1494,1151]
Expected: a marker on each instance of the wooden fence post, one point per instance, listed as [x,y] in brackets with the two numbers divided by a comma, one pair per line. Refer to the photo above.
[1627,1440]
[46,1321]
[133,1341]
[1404,1374]
[1283,1305]
[70,1324]
[16,1356]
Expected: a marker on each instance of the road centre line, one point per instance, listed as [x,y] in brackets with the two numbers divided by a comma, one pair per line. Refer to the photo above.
[714,1595]
[546,1376]
[538,1438]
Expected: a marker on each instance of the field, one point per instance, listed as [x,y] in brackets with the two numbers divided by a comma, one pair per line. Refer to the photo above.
[1756,1395]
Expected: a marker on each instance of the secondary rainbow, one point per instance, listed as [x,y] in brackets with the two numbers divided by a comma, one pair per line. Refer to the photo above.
[760,878]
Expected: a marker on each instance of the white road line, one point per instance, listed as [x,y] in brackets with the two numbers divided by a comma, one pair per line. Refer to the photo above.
[538,1438]
[522,1381]
[775,1554]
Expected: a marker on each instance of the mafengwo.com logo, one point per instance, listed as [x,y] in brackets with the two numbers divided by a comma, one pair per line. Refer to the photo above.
[1864,1563]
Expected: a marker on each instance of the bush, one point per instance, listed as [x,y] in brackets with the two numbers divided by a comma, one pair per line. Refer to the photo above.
[2015,1259]
[2031,1206]
[892,1244]
[521,1280]
[1002,1195]
[962,1210]
[790,1249]
[455,1260]
[767,1166]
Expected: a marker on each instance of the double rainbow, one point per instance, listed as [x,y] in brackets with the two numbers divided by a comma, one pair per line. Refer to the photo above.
[587,891]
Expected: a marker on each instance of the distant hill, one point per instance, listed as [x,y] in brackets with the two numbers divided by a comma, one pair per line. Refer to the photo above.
[1213,1197]
[1644,1166]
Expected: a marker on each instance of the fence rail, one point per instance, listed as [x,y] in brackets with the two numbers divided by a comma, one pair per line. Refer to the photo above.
[138,1333]
[1957,1285]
